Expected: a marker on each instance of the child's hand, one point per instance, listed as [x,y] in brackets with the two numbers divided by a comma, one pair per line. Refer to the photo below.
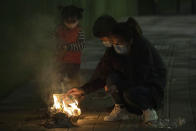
[65,46]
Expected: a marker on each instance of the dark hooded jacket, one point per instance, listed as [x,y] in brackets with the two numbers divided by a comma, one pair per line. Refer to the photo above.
[142,66]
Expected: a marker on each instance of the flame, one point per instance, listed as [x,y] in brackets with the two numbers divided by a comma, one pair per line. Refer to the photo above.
[56,103]
[71,109]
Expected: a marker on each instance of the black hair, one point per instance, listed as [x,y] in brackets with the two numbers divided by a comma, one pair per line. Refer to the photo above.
[103,26]
[123,30]
[71,11]
[135,26]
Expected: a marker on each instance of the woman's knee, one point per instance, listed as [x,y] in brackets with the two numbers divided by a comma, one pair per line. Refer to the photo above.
[112,79]
[138,96]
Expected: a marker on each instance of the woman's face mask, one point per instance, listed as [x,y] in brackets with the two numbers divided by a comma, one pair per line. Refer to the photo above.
[121,49]
[120,45]
[71,24]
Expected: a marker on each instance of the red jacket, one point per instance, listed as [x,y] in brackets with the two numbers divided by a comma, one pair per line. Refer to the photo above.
[73,40]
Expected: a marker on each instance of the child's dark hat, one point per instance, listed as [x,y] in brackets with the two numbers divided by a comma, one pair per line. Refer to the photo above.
[71,11]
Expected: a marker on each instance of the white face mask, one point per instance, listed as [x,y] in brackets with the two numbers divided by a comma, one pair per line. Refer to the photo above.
[107,44]
[121,49]
[72,25]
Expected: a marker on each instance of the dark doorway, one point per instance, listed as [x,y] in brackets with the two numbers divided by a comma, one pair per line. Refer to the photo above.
[166,7]
[147,7]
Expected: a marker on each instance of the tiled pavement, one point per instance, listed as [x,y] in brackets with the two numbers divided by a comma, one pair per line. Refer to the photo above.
[174,37]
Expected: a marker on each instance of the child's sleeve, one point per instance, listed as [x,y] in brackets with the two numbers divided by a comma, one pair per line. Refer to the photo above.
[79,44]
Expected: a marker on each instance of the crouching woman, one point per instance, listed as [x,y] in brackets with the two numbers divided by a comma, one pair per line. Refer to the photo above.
[132,72]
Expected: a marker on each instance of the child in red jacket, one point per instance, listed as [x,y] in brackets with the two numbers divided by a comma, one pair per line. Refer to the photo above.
[70,42]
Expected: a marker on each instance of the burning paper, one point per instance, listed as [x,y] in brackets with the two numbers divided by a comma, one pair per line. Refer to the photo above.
[65,104]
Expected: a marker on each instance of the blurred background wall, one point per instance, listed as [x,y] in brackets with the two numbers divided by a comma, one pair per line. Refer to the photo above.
[27,29]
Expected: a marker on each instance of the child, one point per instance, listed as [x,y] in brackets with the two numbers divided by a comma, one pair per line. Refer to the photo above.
[70,42]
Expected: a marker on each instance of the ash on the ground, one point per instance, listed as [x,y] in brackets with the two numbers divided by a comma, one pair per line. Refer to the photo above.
[60,120]
[45,118]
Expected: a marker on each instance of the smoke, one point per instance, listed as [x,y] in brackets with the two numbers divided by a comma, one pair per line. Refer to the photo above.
[38,49]
[40,57]
[27,48]
[28,53]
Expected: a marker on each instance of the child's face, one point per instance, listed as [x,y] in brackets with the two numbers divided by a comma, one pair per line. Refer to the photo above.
[71,23]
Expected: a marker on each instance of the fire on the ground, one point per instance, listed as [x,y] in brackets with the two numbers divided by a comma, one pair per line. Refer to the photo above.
[65,104]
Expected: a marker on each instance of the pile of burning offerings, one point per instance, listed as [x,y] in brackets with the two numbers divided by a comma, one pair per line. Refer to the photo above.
[65,104]
[64,112]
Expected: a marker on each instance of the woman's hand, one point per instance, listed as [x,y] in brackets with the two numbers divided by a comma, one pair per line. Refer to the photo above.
[78,93]
[106,88]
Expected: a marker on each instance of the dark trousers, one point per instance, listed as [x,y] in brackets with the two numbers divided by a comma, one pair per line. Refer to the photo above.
[135,99]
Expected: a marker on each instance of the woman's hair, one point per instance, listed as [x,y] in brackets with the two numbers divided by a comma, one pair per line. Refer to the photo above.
[103,25]
[123,30]
[127,30]
[71,11]
[134,25]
